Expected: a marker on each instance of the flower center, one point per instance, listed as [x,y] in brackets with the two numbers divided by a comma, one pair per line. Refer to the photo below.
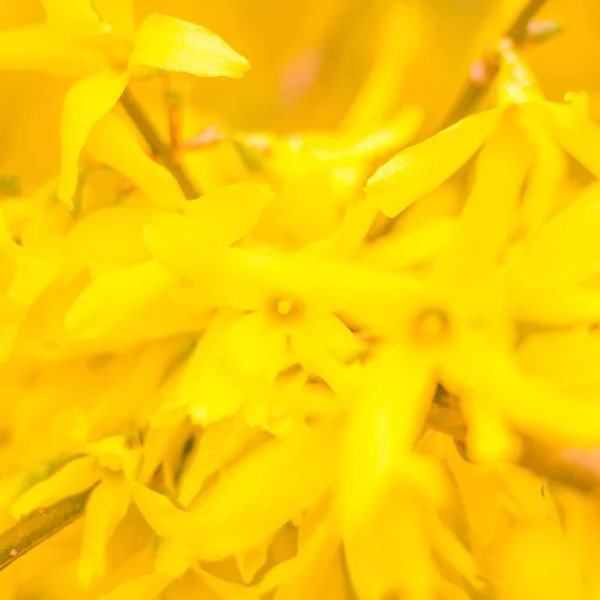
[431,326]
[285,309]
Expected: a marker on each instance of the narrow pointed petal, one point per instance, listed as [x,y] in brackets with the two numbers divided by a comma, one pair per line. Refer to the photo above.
[419,169]
[86,242]
[548,171]
[568,357]
[111,299]
[532,404]
[387,414]
[86,103]
[112,143]
[230,212]
[242,362]
[577,134]
[76,476]
[485,222]
[236,515]
[181,245]
[325,347]
[104,510]
[174,45]
[554,305]
[566,250]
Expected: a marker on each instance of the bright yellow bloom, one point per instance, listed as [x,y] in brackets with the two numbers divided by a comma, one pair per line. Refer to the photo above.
[110,53]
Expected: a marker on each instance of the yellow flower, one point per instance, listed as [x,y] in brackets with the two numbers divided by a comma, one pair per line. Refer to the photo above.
[110,54]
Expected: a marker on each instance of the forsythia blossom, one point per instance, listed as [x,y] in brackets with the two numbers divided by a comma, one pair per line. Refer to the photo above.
[357,366]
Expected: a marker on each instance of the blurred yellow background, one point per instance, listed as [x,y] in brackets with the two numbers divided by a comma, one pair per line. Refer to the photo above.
[311,63]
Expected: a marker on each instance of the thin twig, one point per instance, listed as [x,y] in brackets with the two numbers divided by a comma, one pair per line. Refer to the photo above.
[159,148]
[476,87]
[39,526]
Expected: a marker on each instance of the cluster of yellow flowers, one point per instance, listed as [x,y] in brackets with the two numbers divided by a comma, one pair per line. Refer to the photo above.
[328,366]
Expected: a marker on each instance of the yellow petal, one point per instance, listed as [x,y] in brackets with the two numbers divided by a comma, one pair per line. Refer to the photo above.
[387,414]
[86,103]
[324,345]
[170,559]
[112,143]
[86,242]
[579,136]
[568,357]
[390,554]
[489,438]
[553,305]
[180,244]
[76,476]
[174,45]
[230,212]
[222,588]
[485,221]
[236,514]
[75,11]
[218,442]
[549,169]
[104,510]
[147,587]
[241,362]
[566,250]
[419,169]
[162,515]
[111,299]
[492,376]
[348,237]
[40,48]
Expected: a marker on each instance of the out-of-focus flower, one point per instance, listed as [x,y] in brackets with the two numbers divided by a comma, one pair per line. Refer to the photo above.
[350,369]
[105,54]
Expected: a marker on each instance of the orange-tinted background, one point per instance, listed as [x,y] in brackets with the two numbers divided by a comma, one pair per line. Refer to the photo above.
[310,59]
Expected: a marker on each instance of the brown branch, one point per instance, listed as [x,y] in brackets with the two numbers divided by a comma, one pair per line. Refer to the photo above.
[484,72]
[158,147]
[39,526]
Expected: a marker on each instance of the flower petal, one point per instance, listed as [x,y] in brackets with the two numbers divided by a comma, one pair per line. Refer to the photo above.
[112,143]
[181,245]
[419,169]
[235,514]
[485,221]
[241,362]
[174,45]
[75,11]
[553,305]
[86,242]
[76,476]
[111,299]
[549,169]
[219,441]
[86,103]
[493,377]
[577,134]
[104,510]
[387,414]
[230,212]
[566,250]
